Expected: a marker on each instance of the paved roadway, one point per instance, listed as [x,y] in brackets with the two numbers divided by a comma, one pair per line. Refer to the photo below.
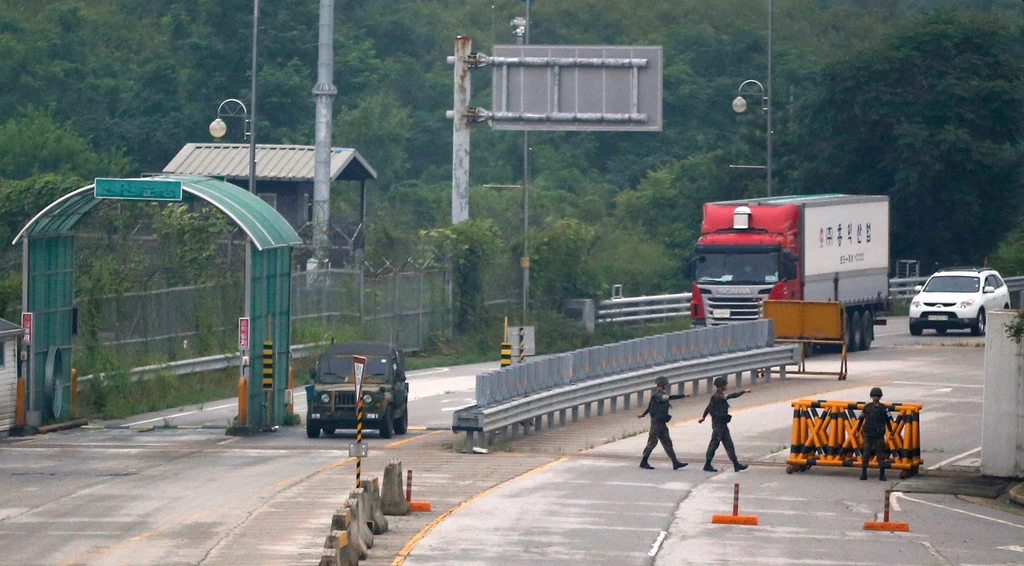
[600,508]
[118,496]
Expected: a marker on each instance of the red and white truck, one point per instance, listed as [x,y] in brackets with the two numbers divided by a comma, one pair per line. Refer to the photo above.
[814,248]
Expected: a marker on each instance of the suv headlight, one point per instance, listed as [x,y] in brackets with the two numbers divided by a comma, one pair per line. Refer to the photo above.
[325,398]
[916,303]
[367,398]
[965,304]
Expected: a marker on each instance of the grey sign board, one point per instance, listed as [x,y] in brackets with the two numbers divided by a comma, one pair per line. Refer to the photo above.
[576,87]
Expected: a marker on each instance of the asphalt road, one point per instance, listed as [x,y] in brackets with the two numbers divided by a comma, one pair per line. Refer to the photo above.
[600,508]
[118,496]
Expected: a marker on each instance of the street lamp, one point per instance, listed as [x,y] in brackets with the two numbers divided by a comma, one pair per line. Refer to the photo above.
[234,108]
[739,104]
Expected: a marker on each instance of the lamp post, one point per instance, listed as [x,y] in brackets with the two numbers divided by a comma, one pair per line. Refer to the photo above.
[524,263]
[234,108]
[521,29]
[739,104]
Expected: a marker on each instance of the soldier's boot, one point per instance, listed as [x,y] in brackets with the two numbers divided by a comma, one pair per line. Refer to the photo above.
[645,465]
[739,467]
[863,473]
[708,467]
[881,474]
[676,464]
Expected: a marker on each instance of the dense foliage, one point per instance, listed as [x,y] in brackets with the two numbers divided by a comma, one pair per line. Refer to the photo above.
[919,99]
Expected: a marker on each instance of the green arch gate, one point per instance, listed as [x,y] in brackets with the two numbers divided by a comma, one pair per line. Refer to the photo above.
[48,266]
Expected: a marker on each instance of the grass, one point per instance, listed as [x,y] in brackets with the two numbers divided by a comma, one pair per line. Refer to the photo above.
[116,396]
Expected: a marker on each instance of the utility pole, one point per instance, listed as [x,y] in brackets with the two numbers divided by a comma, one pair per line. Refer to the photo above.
[323,92]
[771,10]
[524,262]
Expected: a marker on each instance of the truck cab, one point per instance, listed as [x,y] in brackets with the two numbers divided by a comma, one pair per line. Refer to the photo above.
[331,398]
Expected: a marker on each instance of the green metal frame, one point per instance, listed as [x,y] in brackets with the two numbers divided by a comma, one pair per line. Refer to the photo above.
[48,246]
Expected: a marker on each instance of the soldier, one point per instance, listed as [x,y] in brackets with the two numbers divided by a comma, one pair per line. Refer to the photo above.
[658,409]
[875,417]
[718,408]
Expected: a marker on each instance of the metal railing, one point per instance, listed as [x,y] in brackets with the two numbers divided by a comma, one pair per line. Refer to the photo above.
[521,395]
[655,307]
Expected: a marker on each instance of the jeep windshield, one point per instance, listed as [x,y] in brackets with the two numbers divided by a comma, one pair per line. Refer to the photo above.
[340,369]
[738,268]
[953,284]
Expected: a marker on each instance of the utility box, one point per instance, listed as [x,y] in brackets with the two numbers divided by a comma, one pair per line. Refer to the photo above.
[529,343]
[581,311]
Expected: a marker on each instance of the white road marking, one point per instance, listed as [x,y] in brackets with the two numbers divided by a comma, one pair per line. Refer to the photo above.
[955,510]
[944,390]
[932,383]
[418,373]
[894,501]
[449,409]
[657,544]
[954,458]
[931,550]
[176,415]
[1012,548]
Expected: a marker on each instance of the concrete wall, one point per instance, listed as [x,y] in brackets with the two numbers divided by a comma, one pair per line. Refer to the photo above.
[1002,439]
[8,385]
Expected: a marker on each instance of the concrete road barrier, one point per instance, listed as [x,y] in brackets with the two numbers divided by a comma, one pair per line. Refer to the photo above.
[336,551]
[393,501]
[361,517]
[346,516]
[371,499]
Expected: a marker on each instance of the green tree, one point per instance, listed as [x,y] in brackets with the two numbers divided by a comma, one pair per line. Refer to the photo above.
[561,264]
[473,245]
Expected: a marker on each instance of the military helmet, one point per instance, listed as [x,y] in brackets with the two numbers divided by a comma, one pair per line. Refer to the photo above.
[721,381]
[662,380]
[876,392]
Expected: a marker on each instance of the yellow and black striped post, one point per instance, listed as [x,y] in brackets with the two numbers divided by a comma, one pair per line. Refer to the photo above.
[506,347]
[268,377]
[359,434]
[522,341]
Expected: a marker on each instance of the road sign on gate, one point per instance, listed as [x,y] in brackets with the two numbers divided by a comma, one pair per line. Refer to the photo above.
[576,87]
[359,362]
[26,323]
[243,333]
[138,189]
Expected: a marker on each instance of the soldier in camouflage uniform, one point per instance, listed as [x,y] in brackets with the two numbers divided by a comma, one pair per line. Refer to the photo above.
[718,408]
[658,409]
[875,418]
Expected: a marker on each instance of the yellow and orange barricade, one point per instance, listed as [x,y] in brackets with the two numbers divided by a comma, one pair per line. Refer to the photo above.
[828,433]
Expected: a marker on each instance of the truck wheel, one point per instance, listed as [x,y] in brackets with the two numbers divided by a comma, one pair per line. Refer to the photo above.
[978,328]
[854,332]
[915,329]
[868,331]
[312,429]
[387,427]
[402,423]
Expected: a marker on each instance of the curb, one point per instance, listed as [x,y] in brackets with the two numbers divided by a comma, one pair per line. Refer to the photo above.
[1017,494]
[61,426]
[153,427]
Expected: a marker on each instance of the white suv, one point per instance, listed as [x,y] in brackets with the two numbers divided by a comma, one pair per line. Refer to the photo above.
[957,297]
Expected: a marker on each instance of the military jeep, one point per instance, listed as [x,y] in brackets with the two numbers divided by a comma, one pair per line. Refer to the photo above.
[332,397]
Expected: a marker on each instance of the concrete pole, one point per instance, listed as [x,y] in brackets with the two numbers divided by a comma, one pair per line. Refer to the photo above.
[460,131]
[771,10]
[1002,415]
[323,92]
[252,98]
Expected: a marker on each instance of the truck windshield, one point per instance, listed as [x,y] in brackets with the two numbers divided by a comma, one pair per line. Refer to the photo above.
[339,369]
[953,284]
[745,268]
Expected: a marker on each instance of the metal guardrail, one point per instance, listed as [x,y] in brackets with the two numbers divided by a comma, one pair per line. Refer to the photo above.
[208,363]
[521,395]
[626,309]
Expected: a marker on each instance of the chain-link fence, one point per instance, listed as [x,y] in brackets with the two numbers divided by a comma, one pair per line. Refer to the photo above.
[402,302]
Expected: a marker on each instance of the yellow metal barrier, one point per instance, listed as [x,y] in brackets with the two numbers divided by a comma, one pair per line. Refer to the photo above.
[809,323]
[828,433]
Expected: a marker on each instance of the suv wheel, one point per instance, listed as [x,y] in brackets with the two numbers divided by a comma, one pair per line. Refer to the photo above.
[312,429]
[915,329]
[978,328]
[387,428]
[402,423]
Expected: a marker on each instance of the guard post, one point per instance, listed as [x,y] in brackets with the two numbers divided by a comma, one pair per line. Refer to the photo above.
[358,449]
[268,379]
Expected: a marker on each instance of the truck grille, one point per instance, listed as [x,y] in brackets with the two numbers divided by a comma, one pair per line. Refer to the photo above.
[740,308]
[345,399]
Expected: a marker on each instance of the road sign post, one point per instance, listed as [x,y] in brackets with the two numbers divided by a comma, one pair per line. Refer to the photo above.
[243,333]
[358,364]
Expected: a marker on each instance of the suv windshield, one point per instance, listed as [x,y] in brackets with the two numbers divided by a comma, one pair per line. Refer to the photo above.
[953,284]
[339,369]
[748,268]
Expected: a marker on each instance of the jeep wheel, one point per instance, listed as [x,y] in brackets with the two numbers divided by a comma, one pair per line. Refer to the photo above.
[402,423]
[387,428]
[978,328]
[312,429]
